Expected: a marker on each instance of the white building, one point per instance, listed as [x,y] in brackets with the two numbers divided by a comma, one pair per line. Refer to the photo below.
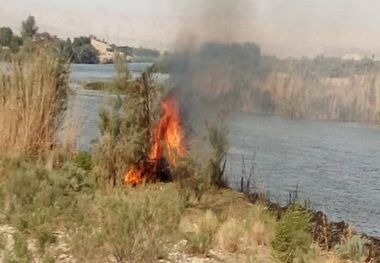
[352,57]
[106,52]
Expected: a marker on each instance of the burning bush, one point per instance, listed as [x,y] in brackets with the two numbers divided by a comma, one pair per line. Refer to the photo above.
[135,143]
[144,135]
[168,135]
[127,126]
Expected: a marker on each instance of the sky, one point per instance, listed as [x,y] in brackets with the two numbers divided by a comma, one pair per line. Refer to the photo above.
[281,27]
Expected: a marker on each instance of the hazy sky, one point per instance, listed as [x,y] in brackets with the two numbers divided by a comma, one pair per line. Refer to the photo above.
[362,13]
[281,26]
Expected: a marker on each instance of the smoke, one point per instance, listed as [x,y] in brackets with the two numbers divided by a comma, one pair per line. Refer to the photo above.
[204,67]
[214,20]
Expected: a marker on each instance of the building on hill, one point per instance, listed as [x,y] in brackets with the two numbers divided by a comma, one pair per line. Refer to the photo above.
[355,57]
[107,53]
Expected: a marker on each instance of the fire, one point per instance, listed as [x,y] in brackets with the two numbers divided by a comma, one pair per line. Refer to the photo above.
[167,134]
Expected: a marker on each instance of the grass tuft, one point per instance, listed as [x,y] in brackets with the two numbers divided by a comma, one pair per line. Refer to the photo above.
[201,239]
[354,249]
[229,235]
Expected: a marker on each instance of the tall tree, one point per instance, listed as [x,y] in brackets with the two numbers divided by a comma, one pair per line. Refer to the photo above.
[81,41]
[6,36]
[28,27]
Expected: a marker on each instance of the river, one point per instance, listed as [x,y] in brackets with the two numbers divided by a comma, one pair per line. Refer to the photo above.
[336,166]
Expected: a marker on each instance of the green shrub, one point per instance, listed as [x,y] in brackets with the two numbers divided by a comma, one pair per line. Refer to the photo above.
[83,160]
[218,138]
[20,253]
[37,197]
[190,185]
[353,249]
[293,239]
[133,226]
[45,238]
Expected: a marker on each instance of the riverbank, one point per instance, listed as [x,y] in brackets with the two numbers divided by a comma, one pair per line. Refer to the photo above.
[64,216]
[327,234]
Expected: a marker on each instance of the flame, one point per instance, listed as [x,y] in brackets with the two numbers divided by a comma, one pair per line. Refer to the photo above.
[167,133]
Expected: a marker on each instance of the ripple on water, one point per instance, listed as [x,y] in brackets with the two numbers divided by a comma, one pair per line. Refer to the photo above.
[335,165]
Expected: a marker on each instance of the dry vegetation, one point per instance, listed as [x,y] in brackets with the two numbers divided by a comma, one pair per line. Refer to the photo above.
[239,76]
[65,213]
[33,95]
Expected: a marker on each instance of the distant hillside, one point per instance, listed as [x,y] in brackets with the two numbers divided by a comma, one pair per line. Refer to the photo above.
[79,50]
[107,53]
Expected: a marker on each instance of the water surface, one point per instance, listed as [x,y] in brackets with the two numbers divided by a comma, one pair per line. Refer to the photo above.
[335,165]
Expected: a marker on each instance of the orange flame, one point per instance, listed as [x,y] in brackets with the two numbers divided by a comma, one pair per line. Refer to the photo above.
[168,132]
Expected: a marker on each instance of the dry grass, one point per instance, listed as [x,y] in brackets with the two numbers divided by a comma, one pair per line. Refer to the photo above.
[31,101]
[260,226]
[139,224]
[333,259]
[327,258]
[245,231]
[209,222]
[259,234]
[201,232]
[230,235]
[134,225]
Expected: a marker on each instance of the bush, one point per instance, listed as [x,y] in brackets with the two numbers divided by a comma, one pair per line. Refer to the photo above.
[218,139]
[293,238]
[353,249]
[83,160]
[127,126]
[37,198]
[190,185]
[133,226]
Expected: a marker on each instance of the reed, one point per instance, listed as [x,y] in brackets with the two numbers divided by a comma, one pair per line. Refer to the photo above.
[33,93]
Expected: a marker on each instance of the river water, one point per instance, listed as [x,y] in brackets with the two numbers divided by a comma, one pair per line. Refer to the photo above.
[336,166]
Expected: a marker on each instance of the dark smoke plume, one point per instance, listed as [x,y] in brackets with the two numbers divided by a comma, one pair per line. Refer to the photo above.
[209,45]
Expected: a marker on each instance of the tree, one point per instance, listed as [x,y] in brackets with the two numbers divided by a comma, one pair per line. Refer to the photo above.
[6,36]
[28,27]
[66,49]
[15,43]
[81,41]
[85,54]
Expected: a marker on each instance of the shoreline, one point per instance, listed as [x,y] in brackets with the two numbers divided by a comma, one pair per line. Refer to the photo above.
[327,234]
